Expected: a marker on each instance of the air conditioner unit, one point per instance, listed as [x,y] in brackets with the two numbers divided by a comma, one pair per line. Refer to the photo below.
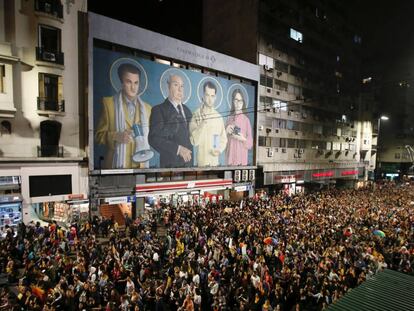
[276,130]
[289,113]
[283,150]
[269,90]
[268,130]
[49,56]
[270,154]
[301,151]
[296,133]
[260,127]
[267,68]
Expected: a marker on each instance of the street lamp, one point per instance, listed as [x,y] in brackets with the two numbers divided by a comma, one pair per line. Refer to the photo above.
[377,160]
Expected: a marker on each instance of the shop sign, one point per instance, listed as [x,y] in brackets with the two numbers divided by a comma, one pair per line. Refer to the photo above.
[79,196]
[323,174]
[286,178]
[120,200]
[349,173]
[240,188]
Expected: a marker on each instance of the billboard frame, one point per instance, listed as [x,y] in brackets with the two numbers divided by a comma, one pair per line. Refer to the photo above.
[135,38]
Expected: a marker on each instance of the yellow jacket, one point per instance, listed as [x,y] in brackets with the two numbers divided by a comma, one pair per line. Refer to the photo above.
[106,130]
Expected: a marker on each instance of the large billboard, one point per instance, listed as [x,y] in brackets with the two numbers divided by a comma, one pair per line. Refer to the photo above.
[151,115]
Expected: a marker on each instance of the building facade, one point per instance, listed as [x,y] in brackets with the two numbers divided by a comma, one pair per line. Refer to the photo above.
[311,128]
[43,169]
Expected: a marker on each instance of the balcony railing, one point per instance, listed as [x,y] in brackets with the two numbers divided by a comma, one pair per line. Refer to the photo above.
[49,56]
[52,7]
[45,104]
[50,151]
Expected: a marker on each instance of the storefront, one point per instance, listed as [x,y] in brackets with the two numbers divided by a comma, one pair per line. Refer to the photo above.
[295,182]
[116,208]
[185,192]
[65,212]
[10,211]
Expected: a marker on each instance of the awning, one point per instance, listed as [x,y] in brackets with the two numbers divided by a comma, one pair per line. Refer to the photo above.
[387,290]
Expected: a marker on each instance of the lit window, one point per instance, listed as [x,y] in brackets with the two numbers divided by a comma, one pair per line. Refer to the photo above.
[366,80]
[357,39]
[266,61]
[50,92]
[296,35]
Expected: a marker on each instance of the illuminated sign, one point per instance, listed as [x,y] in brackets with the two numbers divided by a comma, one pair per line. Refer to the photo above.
[348,173]
[323,174]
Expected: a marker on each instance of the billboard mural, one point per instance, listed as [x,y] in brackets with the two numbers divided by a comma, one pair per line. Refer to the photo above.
[151,115]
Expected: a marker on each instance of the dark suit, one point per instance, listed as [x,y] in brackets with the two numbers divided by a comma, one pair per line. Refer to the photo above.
[168,129]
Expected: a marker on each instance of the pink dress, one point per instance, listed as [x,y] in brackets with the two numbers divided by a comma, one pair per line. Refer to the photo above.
[237,151]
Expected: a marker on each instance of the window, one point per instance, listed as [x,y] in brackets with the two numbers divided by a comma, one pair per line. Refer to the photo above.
[53,7]
[49,48]
[281,85]
[5,128]
[296,35]
[317,128]
[50,92]
[49,139]
[281,66]
[265,141]
[291,143]
[279,123]
[293,89]
[266,81]
[302,143]
[266,61]
[2,78]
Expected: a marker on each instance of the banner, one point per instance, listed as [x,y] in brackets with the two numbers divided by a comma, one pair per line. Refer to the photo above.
[151,115]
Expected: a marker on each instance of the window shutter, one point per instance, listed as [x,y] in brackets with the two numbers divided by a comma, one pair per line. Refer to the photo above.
[41,86]
[60,89]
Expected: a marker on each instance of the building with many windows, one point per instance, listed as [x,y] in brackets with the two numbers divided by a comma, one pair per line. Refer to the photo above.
[313,127]
[42,141]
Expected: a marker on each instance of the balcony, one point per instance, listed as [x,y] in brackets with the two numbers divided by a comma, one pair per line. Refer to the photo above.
[50,151]
[46,106]
[48,56]
[51,7]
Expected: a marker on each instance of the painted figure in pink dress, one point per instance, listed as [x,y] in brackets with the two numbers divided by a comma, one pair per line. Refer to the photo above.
[239,131]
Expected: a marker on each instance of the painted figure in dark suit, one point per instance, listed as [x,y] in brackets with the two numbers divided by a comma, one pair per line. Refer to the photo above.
[169,133]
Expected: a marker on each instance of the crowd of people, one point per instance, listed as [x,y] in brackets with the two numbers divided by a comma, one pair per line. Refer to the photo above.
[275,253]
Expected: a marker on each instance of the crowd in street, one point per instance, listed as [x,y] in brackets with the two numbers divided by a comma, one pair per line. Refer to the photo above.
[279,252]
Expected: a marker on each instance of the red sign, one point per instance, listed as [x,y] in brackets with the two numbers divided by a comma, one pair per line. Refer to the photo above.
[75,196]
[323,174]
[348,173]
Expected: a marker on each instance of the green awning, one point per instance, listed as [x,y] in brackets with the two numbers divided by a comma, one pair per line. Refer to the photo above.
[387,290]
